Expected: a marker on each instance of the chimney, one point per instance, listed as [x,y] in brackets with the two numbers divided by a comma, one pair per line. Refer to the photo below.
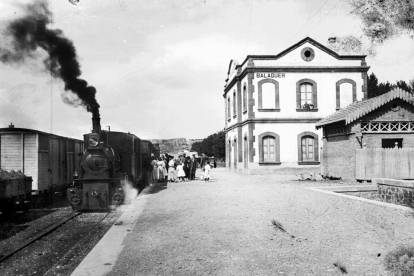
[11,125]
[96,124]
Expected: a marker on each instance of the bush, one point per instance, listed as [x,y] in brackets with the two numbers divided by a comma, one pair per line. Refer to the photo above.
[400,261]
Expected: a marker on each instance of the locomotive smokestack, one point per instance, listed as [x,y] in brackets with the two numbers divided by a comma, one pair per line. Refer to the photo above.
[96,123]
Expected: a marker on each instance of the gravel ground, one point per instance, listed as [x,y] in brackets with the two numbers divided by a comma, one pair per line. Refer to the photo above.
[228,227]
[60,252]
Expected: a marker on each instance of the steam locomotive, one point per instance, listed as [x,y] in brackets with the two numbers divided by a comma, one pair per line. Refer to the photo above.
[110,161]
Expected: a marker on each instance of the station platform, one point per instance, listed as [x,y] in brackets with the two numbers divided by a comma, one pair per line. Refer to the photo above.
[248,225]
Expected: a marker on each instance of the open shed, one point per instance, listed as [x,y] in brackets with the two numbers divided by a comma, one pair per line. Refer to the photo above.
[350,136]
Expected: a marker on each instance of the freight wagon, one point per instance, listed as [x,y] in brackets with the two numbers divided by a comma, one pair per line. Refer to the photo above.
[49,159]
[15,194]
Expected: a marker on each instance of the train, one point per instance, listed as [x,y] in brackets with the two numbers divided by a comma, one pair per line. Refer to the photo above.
[110,161]
[41,167]
[46,162]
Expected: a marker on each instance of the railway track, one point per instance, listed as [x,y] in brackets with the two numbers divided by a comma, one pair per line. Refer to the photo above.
[58,248]
[38,236]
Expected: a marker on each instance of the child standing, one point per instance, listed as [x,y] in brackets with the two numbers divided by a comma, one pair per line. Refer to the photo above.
[181,173]
[207,169]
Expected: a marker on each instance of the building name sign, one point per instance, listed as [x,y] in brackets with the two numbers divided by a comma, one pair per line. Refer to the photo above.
[270,75]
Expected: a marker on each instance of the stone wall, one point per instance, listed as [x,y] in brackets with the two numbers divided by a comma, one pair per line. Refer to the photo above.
[395,191]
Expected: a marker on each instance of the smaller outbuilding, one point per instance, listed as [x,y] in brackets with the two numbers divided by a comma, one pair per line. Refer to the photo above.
[379,123]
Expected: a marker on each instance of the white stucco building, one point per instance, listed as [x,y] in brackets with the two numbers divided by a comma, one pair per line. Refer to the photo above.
[272,103]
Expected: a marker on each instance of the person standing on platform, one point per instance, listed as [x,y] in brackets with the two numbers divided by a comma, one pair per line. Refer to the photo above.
[187,168]
[193,167]
[203,161]
[207,169]
[154,172]
[180,172]
[202,164]
[182,158]
[171,171]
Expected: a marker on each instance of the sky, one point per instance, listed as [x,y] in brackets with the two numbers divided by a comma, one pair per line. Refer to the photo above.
[159,67]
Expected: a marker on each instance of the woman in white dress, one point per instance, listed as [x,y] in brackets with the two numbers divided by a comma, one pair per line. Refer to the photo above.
[160,171]
[181,173]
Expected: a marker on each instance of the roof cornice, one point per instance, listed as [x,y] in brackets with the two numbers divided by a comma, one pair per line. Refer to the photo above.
[295,69]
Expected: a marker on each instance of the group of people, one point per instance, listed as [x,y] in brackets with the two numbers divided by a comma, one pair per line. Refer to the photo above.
[183,168]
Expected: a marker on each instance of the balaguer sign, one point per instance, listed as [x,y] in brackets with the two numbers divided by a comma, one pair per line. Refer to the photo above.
[270,75]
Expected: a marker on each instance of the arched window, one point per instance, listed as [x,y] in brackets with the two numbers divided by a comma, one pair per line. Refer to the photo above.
[308,148]
[244,98]
[228,108]
[306,95]
[345,93]
[234,103]
[268,95]
[269,148]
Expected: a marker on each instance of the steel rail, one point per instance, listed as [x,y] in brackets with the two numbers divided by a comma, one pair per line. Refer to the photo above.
[41,235]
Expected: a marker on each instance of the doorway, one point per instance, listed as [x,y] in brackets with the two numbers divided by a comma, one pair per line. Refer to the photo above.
[246,153]
[235,154]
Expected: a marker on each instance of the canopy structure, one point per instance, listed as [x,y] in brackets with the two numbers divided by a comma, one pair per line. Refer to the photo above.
[356,110]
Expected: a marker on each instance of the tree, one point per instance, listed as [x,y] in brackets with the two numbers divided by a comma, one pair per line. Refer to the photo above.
[219,145]
[350,45]
[376,89]
[372,86]
[381,20]
[213,145]
[385,19]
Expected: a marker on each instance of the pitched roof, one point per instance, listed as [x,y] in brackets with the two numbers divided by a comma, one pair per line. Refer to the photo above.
[356,110]
[297,45]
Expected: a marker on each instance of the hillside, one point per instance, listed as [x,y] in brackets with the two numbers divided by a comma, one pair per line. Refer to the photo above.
[174,145]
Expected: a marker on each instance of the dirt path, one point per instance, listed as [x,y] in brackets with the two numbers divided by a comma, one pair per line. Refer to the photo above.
[225,228]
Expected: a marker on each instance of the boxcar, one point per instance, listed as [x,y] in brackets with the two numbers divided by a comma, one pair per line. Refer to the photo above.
[49,159]
[15,194]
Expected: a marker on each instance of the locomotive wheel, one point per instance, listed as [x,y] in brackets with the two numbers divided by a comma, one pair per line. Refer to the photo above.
[75,200]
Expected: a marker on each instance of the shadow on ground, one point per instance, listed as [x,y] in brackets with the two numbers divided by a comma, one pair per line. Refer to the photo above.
[158,187]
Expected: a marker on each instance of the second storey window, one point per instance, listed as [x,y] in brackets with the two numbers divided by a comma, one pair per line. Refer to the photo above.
[234,103]
[228,108]
[268,95]
[306,94]
[244,98]
[345,93]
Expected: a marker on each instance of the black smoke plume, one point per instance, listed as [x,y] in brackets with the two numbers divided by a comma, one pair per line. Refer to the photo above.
[30,33]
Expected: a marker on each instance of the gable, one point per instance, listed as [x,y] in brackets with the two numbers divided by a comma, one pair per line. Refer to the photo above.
[232,66]
[396,110]
[319,56]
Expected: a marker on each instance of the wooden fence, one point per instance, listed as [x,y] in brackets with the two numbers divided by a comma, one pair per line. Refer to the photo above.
[396,163]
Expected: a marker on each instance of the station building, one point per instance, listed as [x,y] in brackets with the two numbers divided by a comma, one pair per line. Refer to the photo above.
[272,104]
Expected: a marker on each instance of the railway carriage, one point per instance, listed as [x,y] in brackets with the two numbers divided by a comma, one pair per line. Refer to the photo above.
[48,159]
